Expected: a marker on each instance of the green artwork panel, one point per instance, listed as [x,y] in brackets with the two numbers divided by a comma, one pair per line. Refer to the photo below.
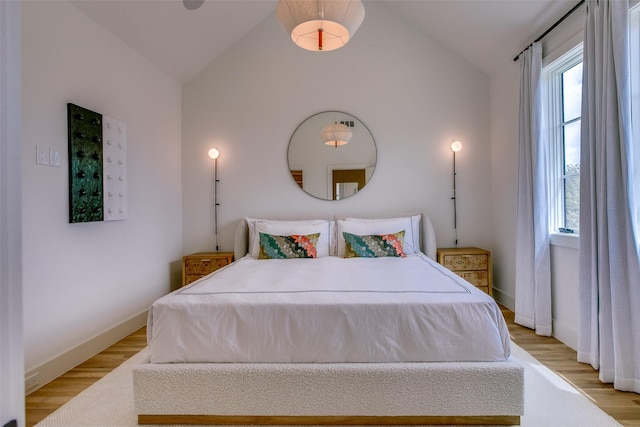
[86,201]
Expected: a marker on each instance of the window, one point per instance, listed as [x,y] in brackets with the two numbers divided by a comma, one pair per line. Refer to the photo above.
[563,80]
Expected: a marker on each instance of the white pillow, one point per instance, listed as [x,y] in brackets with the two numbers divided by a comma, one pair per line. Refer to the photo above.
[367,226]
[288,228]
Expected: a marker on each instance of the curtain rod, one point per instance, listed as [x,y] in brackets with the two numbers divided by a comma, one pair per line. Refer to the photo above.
[565,16]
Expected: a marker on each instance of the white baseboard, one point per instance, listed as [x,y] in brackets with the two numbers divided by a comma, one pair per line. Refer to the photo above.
[52,369]
[563,333]
[504,299]
[566,334]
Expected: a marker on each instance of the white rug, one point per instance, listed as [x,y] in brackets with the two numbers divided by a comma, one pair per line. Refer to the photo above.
[549,400]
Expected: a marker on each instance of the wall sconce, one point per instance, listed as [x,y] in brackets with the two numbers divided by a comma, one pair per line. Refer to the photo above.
[455,147]
[214,153]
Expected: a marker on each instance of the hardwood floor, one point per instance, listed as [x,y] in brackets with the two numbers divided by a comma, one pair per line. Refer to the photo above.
[51,396]
[624,407]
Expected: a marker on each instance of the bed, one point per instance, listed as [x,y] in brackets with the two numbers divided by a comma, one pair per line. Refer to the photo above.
[329,322]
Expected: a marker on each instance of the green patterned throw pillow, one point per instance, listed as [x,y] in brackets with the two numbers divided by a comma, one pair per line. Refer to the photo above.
[374,246]
[282,247]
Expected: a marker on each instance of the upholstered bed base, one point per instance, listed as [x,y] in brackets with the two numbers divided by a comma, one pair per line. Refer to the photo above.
[477,393]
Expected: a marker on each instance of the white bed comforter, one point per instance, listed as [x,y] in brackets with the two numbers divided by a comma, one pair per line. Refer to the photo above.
[328,310]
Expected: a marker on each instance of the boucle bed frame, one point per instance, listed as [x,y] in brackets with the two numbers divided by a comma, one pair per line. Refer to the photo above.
[440,393]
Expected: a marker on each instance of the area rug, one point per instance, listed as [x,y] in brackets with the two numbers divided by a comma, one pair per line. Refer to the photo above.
[549,400]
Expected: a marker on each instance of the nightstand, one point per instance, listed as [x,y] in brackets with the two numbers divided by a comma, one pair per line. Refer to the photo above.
[472,264]
[200,264]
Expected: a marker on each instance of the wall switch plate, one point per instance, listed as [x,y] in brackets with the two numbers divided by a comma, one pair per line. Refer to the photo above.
[42,155]
[54,158]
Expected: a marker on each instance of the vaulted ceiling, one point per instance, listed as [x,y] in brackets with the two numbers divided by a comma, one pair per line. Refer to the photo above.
[487,33]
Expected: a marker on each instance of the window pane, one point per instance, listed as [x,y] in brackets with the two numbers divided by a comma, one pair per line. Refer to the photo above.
[571,92]
[571,147]
[571,106]
[563,79]
[572,201]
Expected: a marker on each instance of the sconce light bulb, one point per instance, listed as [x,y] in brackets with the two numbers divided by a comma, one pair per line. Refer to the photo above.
[456,146]
[214,153]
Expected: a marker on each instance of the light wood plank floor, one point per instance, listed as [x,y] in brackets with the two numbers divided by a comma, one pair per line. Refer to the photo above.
[624,407]
[51,396]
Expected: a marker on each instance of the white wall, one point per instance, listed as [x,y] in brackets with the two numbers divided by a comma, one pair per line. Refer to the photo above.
[564,280]
[505,100]
[414,96]
[83,279]
[504,179]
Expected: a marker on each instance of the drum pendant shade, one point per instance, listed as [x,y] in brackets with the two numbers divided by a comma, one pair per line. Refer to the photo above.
[336,134]
[320,25]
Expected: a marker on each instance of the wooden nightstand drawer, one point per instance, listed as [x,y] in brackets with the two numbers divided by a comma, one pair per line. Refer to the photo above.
[477,278]
[461,262]
[472,264]
[204,266]
[200,264]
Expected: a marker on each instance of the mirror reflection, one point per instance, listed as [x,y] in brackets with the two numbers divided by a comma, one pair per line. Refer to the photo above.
[332,155]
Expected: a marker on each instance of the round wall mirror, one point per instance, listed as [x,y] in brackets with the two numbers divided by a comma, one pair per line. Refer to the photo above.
[332,155]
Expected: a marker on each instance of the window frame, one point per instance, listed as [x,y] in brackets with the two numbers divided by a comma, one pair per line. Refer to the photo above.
[634,46]
[553,101]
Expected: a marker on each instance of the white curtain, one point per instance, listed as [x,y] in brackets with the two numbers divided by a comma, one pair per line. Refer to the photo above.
[533,274]
[609,327]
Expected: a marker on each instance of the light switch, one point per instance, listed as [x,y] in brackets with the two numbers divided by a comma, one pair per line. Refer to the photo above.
[54,158]
[42,155]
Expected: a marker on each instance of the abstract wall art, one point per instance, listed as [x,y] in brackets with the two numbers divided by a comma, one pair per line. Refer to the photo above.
[97,166]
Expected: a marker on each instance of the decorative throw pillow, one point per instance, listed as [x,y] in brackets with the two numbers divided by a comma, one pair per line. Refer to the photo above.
[374,246]
[256,226]
[282,247]
[370,226]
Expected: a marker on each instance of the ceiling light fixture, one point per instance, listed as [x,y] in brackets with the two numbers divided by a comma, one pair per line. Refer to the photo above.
[320,25]
[192,4]
[336,134]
